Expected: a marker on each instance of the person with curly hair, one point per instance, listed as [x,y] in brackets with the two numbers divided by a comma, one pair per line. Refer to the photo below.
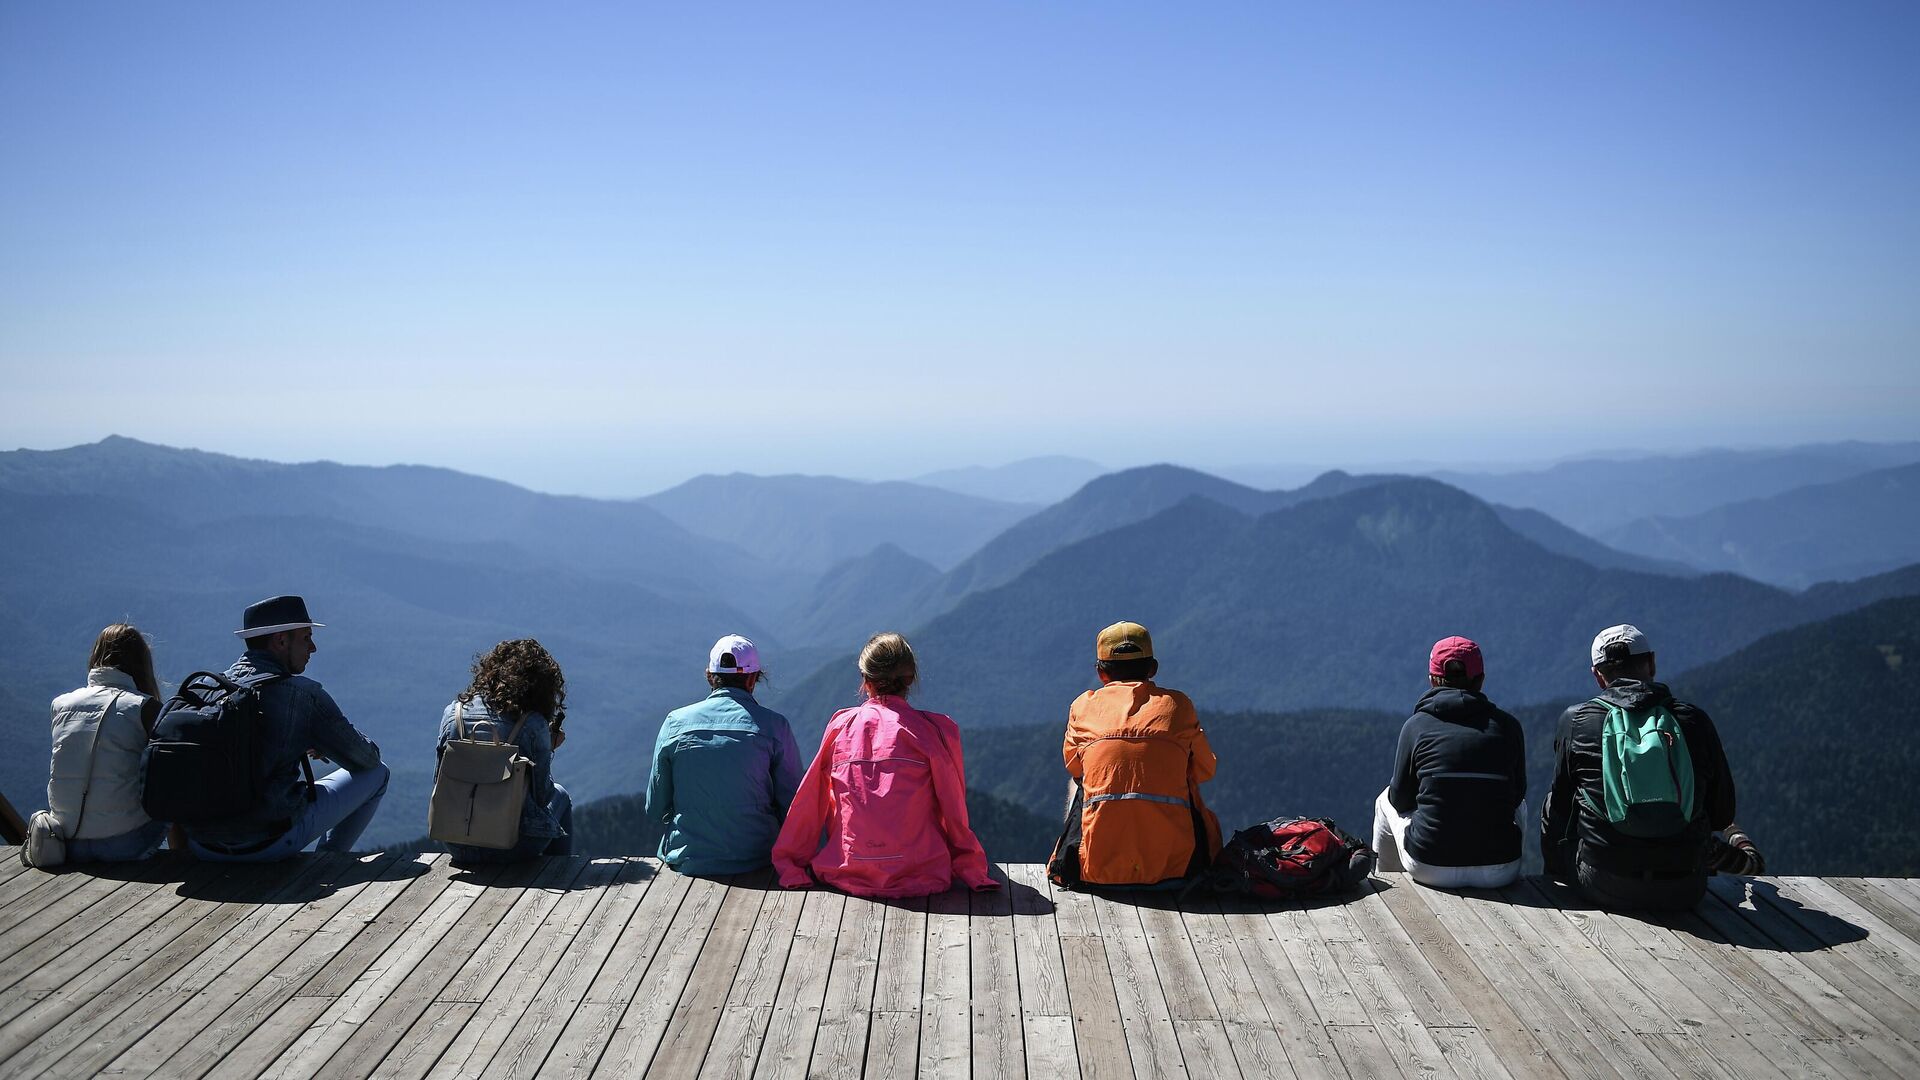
[518,684]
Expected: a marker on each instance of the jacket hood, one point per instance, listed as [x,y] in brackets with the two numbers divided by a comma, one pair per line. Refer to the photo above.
[1455,705]
[1630,694]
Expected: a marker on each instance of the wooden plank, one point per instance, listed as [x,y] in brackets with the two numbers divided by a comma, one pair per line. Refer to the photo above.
[893,1046]
[998,1025]
[187,1020]
[1882,950]
[470,959]
[345,1017]
[1657,983]
[173,1010]
[690,1030]
[1741,1016]
[1384,1003]
[740,1037]
[1099,1038]
[1884,906]
[1879,997]
[68,896]
[1290,1006]
[266,1019]
[646,1019]
[55,1024]
[96,932]
[1508,967]
[526,1045]
[1509,1038]
[1789,982]
[676,905]
[1197,1024]
[946,1029]
[798,1002]
[840,1039]
[1046,1009]
[1361,1049]
[498,1016]
[1585,991]
[1258,1049]
[10,864]
[1144,1016]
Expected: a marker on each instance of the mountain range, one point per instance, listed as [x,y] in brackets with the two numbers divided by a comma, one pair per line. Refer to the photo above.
[1321,597]
[1330,602]
[1840,530]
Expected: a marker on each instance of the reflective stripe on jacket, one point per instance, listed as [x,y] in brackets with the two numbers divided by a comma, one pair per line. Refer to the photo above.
[890,790]
[1141,756]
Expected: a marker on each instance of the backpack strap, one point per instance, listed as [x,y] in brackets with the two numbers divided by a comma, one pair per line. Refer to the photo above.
[254,682]
[93,753]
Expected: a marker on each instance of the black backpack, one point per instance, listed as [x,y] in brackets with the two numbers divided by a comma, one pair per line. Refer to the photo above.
[203,761]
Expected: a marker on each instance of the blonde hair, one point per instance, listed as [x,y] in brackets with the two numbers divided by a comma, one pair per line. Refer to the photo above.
[887,664]
[124,649]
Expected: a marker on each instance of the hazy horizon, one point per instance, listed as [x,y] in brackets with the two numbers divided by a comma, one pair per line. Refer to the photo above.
[602,250]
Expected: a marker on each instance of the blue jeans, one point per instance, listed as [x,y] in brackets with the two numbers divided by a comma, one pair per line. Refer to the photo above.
[343,805]
[127,847]
[529,846]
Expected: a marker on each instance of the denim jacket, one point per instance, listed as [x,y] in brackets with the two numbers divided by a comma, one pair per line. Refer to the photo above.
[535,741]
[300,716]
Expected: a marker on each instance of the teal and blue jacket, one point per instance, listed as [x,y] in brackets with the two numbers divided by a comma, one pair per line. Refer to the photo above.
[724,772]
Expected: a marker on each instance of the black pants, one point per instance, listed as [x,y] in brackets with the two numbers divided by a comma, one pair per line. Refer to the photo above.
[1625,892]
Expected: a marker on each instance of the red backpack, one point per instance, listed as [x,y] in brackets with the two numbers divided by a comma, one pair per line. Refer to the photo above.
[1291,859]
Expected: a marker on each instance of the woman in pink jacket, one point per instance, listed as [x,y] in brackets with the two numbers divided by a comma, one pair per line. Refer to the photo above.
[890,791]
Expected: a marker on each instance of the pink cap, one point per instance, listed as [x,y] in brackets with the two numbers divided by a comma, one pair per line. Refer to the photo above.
[1456,648]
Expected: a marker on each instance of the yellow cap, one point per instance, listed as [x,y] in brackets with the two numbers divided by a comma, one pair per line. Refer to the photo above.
[1123,641]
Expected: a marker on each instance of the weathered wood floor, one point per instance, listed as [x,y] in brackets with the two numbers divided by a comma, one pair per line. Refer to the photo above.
[382,966]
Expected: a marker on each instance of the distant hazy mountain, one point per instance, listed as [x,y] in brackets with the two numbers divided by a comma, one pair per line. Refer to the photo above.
[1561,540]
[1823,532]
[1332,602]
[1034,480]
[1104,504]
[810,523]
[626,541]
[860,597]
[1597,495]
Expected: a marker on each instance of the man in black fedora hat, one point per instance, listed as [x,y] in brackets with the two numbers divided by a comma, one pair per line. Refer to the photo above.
[299,718]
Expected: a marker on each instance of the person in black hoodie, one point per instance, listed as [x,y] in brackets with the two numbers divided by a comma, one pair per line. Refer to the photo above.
[1581,847]
[1451,815]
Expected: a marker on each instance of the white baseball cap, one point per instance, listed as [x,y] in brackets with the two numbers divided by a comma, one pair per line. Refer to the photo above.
[1625,634]
[733,655]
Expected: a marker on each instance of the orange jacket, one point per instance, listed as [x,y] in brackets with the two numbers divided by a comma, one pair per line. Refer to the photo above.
[1141,756]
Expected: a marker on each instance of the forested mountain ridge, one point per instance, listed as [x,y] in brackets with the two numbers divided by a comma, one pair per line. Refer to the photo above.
[1322,604]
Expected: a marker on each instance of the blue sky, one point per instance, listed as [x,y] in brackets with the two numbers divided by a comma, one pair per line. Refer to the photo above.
[602,247]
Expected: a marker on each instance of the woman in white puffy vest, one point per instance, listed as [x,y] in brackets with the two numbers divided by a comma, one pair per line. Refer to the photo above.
[99,731]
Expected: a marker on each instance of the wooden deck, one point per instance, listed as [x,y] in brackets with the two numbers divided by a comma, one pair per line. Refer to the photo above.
[405,967]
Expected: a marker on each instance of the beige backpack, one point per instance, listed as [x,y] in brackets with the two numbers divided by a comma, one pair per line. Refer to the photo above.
[479,789]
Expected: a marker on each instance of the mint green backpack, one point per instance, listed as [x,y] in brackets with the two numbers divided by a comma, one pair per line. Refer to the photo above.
[1646,774]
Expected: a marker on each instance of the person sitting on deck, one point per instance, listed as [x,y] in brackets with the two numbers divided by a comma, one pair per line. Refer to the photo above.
[1139,756]
[724,771]
[888,790]
[1640,782]
[99,730]
[299,718]
[518,693]
[1451,816]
